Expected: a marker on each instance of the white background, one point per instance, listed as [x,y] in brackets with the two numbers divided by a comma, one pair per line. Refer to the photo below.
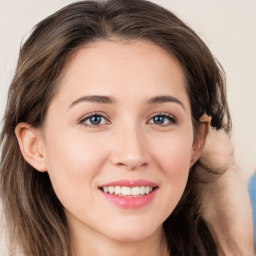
[227,26]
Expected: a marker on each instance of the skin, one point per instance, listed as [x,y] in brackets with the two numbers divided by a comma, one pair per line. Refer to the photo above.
[228,212]
[127,144]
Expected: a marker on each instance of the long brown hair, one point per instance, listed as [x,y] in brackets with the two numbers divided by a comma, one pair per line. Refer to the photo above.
[35,217]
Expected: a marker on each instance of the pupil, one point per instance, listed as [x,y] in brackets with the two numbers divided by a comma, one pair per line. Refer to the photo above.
[95,120]
[159,120]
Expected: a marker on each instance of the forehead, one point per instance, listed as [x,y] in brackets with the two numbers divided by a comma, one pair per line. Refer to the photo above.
[122,68]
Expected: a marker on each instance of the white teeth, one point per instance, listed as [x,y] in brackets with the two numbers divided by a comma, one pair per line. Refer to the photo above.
[111,190]
[135,191]
[142,190]
[118,190]
[128,191]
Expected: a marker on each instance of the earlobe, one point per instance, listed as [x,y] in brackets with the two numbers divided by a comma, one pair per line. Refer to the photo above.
[31,145]
[199,141]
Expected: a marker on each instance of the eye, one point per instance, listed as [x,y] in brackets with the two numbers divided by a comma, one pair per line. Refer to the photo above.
[162,120]
[94,120]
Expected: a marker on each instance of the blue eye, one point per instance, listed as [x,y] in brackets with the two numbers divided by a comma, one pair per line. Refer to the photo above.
[162,119]
[159,119]
[93,120]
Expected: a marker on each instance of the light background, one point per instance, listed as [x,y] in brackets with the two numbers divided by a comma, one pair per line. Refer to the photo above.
[227,26]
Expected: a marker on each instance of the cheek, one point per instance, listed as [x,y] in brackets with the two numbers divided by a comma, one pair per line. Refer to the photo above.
[174,161]
[176,168]
[174,154]
[72,164]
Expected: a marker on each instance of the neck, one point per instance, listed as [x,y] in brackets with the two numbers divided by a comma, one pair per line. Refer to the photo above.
[95,244]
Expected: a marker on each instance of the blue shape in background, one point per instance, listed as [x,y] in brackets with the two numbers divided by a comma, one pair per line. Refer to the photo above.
[252,192]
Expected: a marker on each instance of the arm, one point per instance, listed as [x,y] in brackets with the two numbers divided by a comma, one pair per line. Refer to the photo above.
[225,202]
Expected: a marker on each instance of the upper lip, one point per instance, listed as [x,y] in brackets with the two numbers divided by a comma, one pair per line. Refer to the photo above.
[130,183]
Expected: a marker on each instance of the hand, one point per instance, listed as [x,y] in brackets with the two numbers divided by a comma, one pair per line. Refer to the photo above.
[225,201]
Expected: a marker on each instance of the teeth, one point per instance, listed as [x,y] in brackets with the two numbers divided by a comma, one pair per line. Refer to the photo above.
[142,190]
[118,190]
[135,191]
[105,189]
[111,190]
[127,191]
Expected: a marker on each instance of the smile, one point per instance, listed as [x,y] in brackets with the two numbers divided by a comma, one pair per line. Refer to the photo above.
[127,191]
[129,194]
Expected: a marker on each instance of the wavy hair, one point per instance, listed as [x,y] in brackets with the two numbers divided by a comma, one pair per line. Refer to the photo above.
[35,217]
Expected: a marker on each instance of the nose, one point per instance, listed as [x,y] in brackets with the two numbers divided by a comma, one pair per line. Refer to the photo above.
[130,149]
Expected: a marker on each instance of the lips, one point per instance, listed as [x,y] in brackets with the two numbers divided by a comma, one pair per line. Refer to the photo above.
[129,193]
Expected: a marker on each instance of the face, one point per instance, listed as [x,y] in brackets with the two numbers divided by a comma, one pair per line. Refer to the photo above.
[118,139]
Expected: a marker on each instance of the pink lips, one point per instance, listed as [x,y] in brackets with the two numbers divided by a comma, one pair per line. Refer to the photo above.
[129,201]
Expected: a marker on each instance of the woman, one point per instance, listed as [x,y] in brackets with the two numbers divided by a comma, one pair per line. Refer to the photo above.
[107,117]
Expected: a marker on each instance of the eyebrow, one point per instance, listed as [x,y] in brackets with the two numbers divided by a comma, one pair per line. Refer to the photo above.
[110,100]
[164,99]
[94,98]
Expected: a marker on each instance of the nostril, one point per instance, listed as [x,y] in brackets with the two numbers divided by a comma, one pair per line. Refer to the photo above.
[132,166]
[130,159]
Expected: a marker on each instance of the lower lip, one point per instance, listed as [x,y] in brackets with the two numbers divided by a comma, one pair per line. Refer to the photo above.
[130,202]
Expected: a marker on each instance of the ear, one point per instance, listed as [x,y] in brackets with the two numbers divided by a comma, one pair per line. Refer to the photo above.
[199,142]
[31,145]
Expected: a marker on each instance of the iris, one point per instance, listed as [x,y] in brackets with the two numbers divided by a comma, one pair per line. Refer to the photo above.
[159,119]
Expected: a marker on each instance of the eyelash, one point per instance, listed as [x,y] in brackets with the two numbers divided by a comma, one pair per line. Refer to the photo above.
[96,114]
[171,119]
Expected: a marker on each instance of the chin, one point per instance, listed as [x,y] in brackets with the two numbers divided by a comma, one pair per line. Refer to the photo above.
[135,233]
